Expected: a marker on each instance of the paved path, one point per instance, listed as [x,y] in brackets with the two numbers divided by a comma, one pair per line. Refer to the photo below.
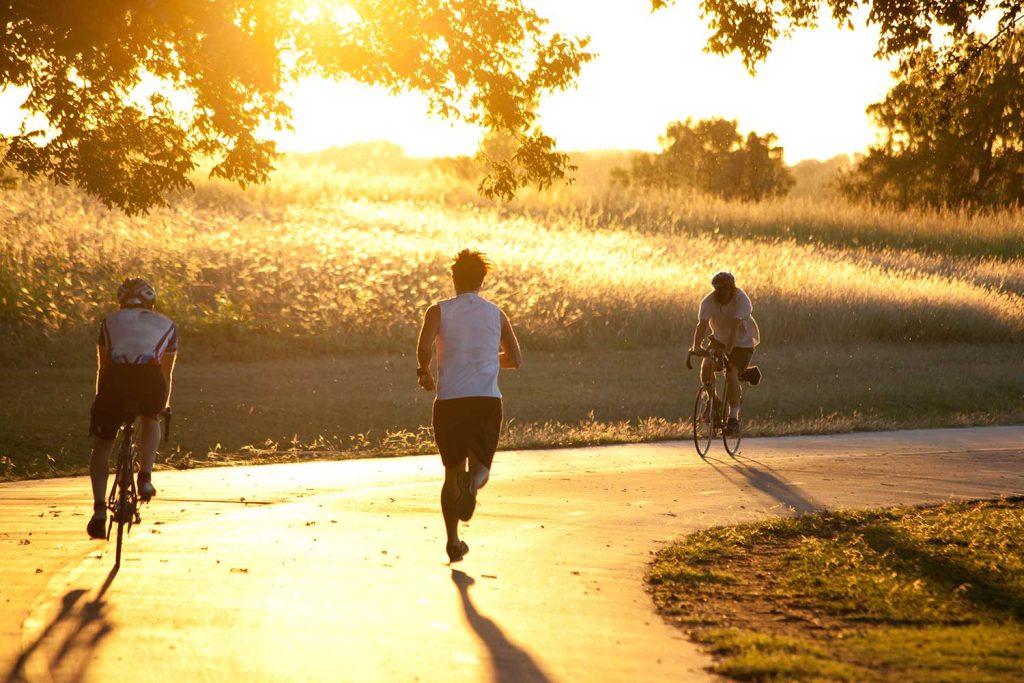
[335,571]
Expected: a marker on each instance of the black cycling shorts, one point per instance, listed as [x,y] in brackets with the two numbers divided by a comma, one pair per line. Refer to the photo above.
[738,358]
[464,425]
[126,390]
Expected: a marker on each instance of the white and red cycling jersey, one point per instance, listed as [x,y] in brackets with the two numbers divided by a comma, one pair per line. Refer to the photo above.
[138,336]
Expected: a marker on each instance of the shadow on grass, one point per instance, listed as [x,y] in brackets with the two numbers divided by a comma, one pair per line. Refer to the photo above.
[984,589]
[67,643]
[764,479]
[510,662]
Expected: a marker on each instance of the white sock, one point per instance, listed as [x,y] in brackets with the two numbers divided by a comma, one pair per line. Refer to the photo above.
[734,413]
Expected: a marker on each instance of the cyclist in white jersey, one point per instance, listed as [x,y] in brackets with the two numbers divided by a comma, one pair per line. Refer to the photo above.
[474,339]
[136,351]
[726,312]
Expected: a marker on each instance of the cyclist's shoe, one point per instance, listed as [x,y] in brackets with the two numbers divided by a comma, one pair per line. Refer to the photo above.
[97,527]
[732,427]
[456,551]
[465,504]
[146,490]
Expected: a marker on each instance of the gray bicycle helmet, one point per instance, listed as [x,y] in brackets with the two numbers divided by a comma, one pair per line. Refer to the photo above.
[135,292]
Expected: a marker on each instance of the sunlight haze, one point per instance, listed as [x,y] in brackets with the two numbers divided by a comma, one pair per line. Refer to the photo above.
[651,69]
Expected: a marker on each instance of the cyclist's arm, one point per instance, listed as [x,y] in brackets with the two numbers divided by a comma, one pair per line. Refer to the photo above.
[102,361]
[167,368]
[425,345]
[510,356]
[699,334]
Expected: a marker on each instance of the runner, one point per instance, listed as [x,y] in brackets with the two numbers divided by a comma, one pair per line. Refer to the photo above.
[474,339]
[136,352]
[726,311]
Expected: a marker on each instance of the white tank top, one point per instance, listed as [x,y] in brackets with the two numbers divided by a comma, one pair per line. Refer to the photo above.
[467,347]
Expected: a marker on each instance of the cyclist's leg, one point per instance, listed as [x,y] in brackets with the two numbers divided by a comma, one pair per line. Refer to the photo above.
[733,391]
[149,441]
[739,360]
[99,468]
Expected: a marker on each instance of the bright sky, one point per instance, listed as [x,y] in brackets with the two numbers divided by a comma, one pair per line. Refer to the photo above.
[651,69]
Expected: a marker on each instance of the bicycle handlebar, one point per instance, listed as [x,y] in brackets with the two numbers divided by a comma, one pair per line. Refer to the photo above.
[703,353]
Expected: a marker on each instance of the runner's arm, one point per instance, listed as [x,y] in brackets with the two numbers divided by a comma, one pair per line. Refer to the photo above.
[425,346]
[510,356]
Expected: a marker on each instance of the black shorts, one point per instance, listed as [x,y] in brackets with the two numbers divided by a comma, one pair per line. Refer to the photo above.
[467,424]
[126,389]
[739,358]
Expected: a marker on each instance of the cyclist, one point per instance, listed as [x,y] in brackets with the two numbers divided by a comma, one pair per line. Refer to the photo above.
[727,312]
[474,338]
[136,351]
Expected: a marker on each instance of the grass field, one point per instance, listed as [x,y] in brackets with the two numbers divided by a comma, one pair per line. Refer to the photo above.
[907,594]
[353,406]
[299,302]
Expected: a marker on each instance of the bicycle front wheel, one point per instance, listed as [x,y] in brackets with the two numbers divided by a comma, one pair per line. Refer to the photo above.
[703,414]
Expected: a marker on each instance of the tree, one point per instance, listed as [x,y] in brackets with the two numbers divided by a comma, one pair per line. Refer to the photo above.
[751,28]
[712,156]
[953,135]
[136,92]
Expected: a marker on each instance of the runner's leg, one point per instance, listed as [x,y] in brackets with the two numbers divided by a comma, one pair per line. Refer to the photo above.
[449,494]
[478,472]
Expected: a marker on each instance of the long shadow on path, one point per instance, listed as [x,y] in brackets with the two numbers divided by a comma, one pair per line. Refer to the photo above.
[764,479]
[69,641]
[511,663]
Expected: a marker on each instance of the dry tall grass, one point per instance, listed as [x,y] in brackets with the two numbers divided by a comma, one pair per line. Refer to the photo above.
[335,261]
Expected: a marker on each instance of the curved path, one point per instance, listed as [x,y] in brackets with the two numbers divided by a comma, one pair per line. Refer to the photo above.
[335,571]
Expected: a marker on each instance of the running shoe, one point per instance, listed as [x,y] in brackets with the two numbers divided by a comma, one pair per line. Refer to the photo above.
[456,551]
[97,527]
[732,427]
[465,504]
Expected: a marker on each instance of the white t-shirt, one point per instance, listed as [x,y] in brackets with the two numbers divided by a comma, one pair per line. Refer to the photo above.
[138,336]
[467,347]
[747,334]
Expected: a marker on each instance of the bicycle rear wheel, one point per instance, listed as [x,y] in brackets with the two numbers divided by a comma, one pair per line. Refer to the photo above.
[703,414]
[122,495]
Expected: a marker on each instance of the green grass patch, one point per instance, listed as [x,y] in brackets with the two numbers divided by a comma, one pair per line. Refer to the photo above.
[358,406]
[904,594]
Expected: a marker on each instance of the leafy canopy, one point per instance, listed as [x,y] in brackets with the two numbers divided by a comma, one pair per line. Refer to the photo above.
[751,27]
[953,130]
[220,67]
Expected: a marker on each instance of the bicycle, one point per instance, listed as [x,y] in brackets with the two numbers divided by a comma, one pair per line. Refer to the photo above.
[709,408]
[123,501]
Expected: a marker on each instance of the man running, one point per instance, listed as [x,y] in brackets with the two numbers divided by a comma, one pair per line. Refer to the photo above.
[474,339]
[136,352]
[727,311]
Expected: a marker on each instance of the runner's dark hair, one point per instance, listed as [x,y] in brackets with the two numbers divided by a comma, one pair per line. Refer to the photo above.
[469,269]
